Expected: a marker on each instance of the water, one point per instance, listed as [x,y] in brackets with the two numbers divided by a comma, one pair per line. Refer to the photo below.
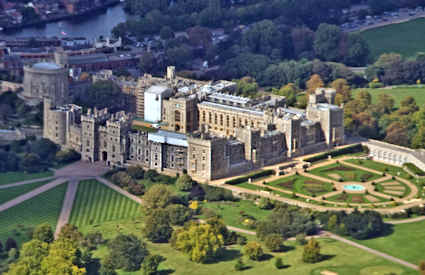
[92,27]
[353,187]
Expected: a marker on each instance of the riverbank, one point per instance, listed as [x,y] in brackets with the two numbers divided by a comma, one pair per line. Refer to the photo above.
[69,17]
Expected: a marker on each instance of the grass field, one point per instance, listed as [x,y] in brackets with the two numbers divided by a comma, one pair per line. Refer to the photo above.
[345,260]
[338,171]
[44,208]
[303,185]
[405,38]
[407,242]
[11,177]
[96,203]
[398,94]
[382,167]
[230,212]
[13,192]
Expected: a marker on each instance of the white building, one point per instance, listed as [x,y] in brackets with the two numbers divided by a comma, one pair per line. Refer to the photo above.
[153,102]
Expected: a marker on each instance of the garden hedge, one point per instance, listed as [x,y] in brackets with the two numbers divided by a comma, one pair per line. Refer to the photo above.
[253,176]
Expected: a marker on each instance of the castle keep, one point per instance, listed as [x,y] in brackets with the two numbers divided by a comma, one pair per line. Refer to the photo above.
[201,128]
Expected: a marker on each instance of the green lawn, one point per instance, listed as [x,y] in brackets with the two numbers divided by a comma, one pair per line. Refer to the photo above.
[303,185]
[405,38]
[12,177]
[399,93]
[407,242]
[96,203]
[338,171]
[15,222]
[383,189]
[343,259]
[354,198]
[13,192]
[231,212]
[382,167]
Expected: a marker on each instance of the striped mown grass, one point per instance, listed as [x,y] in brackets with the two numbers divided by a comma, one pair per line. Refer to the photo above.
[10,193]
[96,203]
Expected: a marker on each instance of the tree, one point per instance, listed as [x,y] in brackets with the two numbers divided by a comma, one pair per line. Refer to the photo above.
[239,266]
[64,258]
[262,37]
[246,86]
[151,263]
[102,94]
[158,196]
[184,182]
[274,242]
[311,253]
[289,91]
[166,33]
[422,267]
[127,252]
[254,251]
[178,214]
[136,172]
[43,233]
[332,223]
[179,56]
[123,179]
[10,243]
[199,37]
[32,163]
[67,156]
[92,240]
[200,241]
[326,42]
[157,226]
[397,133]
[314,83]
[70,232]
[278,263]
[385,103]
[147,62]
[107,266]
[29,262]
[341,86]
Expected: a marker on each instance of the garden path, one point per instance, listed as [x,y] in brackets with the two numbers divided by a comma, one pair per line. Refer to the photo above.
[67,205]
[25,182]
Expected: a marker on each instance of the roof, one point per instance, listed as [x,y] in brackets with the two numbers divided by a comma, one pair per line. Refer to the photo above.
[157,89]
[232,108]
[46,66]
[326,106]
[84,59]
[169,138]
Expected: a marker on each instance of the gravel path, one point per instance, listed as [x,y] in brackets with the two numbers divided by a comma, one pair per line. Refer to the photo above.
[25,182]
[67,206]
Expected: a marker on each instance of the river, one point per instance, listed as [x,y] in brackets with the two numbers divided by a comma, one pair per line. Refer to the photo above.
[92,27]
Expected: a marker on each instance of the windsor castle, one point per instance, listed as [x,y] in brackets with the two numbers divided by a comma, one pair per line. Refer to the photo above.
[202,128]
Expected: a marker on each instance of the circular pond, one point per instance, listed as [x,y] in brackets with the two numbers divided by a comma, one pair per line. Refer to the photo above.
[354,187]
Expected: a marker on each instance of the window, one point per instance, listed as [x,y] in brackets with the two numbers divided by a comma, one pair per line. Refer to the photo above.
[209,117]
[227,121]
[221,119]
[234,122]
[215,118]
[203,116]
[177,117]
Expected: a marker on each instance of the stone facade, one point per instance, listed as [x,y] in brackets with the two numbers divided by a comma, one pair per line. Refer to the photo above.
[203,129]
[43,80]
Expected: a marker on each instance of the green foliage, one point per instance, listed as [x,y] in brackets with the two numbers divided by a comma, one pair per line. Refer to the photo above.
[178,214]
[157,227]
[92,240]
[253,176]
[43,233]
[274,242]
[184,182]
[199,241]
[158,196]
[334,153]
[311,253]
[265,203]
[136,172]
[151,263]
[127,252]
[67,156]
[29,262]
[239,265]
[278,263]
[254,251]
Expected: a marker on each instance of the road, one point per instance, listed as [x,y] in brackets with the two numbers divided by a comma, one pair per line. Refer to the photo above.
[67,206]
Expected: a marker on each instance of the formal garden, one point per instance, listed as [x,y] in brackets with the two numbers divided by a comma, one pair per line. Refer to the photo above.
[302,185]
[343,173]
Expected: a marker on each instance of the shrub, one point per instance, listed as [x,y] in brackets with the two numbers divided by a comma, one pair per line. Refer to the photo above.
[376,85]
[184,183]
[278,263]
[122,179]
[265,203]
[136,172]
[178,214]
[67,156]
[137,189]
[157,227]
[213,193]
[254,251]
[252,176]
[239,266]
[311,253]
[274,242]
[241,240]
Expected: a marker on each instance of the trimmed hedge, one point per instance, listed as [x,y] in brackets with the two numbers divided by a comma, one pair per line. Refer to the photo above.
[253,176]
[414,169]
[357,148]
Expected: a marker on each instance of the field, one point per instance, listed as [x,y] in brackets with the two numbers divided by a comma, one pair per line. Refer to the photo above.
[405,38]
[345,260]
[398,93]
[231,212]
[303,185]
[44,208]
[96,203]
[382,167]
[342,172]
[407,242]
[12,177]
[13,192]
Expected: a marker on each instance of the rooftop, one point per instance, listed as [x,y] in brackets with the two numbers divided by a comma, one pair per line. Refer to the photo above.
[46,66]
[157,89]
[169,137]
